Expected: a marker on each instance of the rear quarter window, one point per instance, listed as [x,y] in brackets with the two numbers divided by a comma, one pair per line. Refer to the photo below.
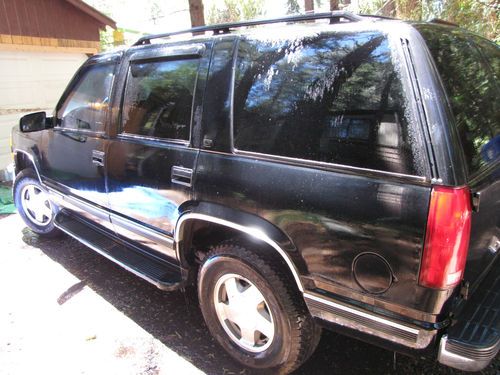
[331,97]
[469,70]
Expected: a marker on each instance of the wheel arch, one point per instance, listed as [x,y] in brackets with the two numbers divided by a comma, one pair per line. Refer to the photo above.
[243,223]
[24,160]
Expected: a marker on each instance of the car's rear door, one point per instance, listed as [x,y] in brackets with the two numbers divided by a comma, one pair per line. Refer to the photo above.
[323,148]
[152,158]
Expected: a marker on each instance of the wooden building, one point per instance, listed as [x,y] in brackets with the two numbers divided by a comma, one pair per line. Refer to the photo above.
[42,44]
[50,25]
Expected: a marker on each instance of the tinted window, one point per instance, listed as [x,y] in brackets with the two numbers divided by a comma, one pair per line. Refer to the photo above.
[86,105]
[159,97]
[472,89]
[491,52]
[332,98]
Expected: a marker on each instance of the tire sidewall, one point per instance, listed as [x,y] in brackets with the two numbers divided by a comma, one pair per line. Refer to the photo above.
[24,179]
[212,270]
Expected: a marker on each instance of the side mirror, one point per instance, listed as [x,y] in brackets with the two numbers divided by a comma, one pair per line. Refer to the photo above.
[33,122]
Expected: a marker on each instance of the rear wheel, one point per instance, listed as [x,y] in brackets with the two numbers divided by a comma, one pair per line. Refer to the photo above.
[252,310]
[34,205]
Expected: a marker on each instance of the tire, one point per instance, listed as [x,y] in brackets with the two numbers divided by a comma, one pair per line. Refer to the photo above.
[33,204]
[268,325]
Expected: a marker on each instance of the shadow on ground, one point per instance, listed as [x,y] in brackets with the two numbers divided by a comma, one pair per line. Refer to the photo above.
[175,319]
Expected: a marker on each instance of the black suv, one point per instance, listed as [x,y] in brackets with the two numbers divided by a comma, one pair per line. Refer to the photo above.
[325,170]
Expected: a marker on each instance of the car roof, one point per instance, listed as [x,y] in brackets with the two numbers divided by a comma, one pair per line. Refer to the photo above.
[288,27]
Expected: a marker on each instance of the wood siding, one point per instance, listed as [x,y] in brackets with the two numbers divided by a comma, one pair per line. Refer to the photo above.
[55,19]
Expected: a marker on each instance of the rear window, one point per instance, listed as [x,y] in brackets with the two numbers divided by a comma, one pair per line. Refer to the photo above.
[469,68]
[333,98]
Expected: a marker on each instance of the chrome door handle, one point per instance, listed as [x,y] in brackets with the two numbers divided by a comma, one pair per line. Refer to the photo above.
[181,175]
[98,158]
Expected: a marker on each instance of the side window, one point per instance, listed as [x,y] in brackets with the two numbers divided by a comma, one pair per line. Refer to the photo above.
[472,90]
[86,105]
[158,98]
[332,98]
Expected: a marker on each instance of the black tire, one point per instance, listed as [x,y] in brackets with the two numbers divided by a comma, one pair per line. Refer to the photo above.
[295,334]
[25,182]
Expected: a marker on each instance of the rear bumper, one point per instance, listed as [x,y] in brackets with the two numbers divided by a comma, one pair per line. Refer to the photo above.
[465,357]
[473,341]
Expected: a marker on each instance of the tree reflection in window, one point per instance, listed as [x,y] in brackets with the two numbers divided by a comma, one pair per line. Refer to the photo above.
[330,97]
[86,104]
[158,98]
[469,68]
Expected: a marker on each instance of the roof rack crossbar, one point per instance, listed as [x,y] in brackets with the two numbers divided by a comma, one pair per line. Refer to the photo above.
[334,17]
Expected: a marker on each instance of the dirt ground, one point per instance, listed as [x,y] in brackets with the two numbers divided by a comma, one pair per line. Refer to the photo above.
[67,310]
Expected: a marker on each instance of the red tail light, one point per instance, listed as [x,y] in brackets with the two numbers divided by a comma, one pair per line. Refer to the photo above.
[446,238]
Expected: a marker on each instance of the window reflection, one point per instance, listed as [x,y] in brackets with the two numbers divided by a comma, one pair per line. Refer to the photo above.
[158,98]
[471,83]
[87,104]
[330,97]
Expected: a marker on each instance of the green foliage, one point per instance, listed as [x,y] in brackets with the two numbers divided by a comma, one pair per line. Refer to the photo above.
[479,16]
[292,6]
[235,10]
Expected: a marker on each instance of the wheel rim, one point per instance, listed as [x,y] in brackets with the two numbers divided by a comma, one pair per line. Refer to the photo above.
[36,205]
[244,313]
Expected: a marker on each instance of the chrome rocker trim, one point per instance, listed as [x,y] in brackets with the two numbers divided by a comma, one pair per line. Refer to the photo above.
[369,323]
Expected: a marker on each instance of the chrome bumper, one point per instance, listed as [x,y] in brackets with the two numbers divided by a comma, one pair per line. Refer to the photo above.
[465,357]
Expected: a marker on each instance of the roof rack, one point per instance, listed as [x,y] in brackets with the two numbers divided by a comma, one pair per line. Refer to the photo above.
[334,17]
[444,22]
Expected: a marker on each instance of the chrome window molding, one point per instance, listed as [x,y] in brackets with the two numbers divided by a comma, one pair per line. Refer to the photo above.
[142,138]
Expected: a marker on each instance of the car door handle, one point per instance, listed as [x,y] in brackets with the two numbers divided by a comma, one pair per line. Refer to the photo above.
[181,175]
[98,158]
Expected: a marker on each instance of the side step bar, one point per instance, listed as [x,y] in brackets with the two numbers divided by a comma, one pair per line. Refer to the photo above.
[474,340]
[153,269]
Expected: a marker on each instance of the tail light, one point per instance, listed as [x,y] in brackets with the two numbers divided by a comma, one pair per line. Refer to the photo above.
[446,238]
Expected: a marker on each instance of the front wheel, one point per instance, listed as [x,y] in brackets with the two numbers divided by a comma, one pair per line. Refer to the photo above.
[33,204]
[252,311]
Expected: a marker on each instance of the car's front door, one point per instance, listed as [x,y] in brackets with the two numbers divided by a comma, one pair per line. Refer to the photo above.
[152,158]
[72,159]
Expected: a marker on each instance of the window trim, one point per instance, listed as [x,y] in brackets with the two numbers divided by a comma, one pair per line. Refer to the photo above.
[151,57]
[305,162]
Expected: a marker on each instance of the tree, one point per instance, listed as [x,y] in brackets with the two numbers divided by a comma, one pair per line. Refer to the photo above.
[235,10]
[309,5]
[334,4]
[196,13]
[292,6]
[389,8]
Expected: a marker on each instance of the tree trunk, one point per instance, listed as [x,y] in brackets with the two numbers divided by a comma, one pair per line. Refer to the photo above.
[309,5]
[389,8]
[334,4]
[196,13]
[410,10]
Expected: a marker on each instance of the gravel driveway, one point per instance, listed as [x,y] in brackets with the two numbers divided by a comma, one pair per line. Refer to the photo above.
[67,310]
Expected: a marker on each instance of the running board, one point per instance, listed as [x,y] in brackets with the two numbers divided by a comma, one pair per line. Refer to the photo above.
[150,268]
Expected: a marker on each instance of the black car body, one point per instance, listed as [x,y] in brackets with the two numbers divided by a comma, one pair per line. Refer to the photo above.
[360,155]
